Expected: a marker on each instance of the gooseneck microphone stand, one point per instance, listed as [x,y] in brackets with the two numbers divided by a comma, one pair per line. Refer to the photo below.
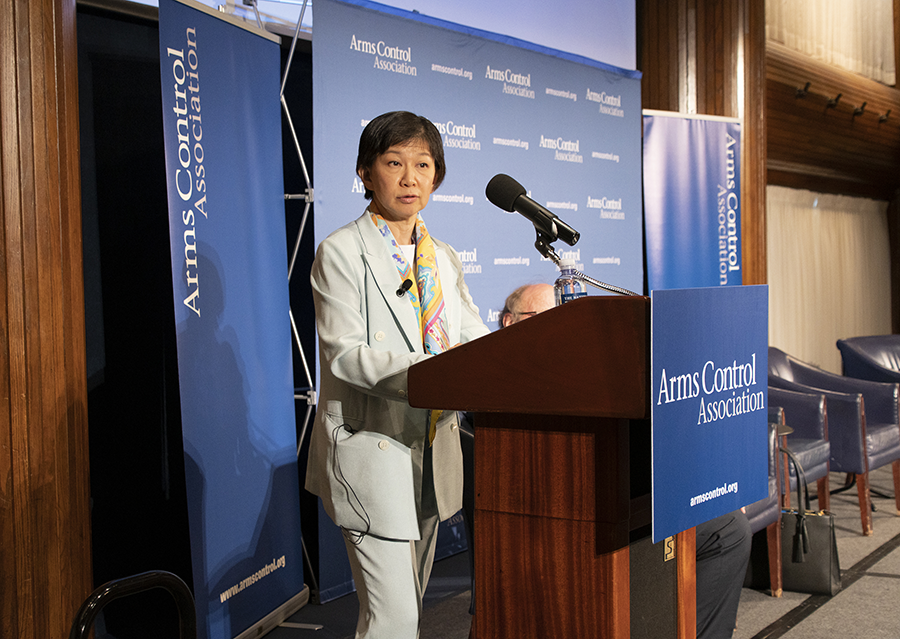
[544,247]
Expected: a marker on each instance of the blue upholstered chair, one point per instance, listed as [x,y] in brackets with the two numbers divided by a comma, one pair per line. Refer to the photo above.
[806,414]
[874,357]
[765,514]
[863,421]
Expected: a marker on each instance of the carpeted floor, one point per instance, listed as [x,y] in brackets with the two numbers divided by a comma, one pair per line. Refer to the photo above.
[867,607]
[869,604]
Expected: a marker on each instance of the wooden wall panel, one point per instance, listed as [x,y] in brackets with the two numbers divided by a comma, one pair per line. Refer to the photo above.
[708,57]
[893,215]
[815,147]
[828,148]
[755,149]
[894,209]
[44,494]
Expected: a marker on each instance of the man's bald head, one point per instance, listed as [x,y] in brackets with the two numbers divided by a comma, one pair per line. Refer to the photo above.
[526,301]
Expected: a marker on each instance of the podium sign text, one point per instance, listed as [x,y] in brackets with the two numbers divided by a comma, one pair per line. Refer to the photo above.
[708,403]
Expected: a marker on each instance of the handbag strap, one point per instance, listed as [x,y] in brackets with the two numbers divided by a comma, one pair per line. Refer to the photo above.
[801,480]
[801,536]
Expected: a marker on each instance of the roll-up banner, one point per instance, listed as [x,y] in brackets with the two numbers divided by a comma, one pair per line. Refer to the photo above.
[709,343]
[222,128]
[564,126]
[692,193]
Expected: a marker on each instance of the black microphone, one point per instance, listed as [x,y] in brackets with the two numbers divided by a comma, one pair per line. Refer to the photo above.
[507,194]
[407,284]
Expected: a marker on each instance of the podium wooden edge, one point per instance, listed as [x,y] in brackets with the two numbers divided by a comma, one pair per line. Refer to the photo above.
[686,570]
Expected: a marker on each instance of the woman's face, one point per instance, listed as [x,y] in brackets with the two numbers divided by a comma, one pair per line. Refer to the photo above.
[401,180]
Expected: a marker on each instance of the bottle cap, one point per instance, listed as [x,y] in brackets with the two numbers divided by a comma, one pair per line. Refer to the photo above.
[566,263]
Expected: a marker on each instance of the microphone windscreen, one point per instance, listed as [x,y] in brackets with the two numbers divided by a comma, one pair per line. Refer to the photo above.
[502,191]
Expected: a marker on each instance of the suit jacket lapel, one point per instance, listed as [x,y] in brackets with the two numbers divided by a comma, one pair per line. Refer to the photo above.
[387,278]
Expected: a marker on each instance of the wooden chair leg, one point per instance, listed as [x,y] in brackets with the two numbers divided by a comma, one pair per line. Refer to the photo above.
[786,479]
[896,467]
[865,502]
[773,544]
[824,496]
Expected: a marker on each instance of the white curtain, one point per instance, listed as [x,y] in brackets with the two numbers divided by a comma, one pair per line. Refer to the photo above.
[857,35]
[828,270]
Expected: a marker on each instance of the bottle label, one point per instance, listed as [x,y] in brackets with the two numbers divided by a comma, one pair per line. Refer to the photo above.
[568,297]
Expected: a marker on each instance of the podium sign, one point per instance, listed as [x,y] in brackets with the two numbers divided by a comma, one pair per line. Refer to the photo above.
[708,403]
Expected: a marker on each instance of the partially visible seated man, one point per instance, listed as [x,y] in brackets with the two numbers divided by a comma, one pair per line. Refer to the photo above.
[526,301]
[723,551]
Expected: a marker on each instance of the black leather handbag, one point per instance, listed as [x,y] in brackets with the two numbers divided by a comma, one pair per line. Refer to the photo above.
[809,555]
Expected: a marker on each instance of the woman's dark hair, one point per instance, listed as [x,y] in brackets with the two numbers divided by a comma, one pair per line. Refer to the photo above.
[398,128]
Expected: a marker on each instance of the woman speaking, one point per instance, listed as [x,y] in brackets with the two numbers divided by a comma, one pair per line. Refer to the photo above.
[388,295]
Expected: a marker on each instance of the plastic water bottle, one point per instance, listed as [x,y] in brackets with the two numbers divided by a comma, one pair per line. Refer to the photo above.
[569,285]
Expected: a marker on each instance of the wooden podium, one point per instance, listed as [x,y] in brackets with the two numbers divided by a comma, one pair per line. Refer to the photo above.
[562,468]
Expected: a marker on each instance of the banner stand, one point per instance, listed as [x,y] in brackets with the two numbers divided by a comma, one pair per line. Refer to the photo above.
[220,78]
[278,616]
[308,395]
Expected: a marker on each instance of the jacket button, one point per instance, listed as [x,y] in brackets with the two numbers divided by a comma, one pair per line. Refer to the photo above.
[454,427]
[379,336]
[401,393]
[383,444]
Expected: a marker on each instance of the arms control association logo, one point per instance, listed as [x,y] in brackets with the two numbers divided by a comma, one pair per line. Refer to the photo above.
[459,136]
[518,84]
[609,104]
[564,150]
[387,57]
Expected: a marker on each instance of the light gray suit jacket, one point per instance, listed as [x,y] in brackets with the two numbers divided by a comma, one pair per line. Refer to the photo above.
[367,445]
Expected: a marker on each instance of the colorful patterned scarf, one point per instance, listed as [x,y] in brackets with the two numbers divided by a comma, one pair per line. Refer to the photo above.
[427,297]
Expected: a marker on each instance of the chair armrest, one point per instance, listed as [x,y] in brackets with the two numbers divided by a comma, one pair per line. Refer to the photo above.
[875,357]
[881,399]
[858,368]
[803,412]
[845,420]
[816,377]
[882,403]
[848,445]
[776,414]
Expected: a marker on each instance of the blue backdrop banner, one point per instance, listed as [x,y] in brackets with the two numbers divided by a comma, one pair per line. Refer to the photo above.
[692,193]
[602,29]
[221,122]
[709,375]
[564,126]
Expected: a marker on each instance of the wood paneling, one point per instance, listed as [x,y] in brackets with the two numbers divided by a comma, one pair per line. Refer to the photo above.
[537,588]
[44,513]
[708,58]
[686,556]
[690,51]
[552,523]
[894,208]
[818,144]
[754,149]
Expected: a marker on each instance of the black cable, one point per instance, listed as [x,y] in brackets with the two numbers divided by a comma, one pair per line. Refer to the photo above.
[354,537]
